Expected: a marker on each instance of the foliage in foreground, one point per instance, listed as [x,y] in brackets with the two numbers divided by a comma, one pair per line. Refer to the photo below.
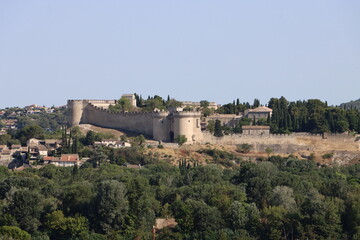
[283,198]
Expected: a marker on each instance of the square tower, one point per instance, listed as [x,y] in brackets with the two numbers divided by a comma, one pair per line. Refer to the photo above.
[131,98]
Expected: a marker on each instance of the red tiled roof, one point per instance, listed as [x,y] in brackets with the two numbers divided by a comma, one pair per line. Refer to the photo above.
[63,158]
[69,157]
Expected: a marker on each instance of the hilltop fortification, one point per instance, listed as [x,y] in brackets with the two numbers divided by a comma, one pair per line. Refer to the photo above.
[161,126]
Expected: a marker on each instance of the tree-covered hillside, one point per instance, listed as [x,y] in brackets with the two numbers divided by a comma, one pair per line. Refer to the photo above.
[351,105]
[282,198]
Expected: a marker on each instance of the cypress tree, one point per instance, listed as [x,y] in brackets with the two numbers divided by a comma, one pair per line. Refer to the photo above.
[218,131]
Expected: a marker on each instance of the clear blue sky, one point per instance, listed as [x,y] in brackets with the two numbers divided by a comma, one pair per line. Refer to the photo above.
[51,51]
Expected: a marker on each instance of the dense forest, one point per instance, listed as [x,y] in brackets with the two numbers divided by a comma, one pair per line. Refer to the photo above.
[312,116]
[280,198]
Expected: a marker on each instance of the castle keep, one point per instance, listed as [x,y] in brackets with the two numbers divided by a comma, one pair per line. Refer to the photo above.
[161,125]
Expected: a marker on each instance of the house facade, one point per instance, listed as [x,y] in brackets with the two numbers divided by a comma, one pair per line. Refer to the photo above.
[256,130]
[66,160]
[258,113]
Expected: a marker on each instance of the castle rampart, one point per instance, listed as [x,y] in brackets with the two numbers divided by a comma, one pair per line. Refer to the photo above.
[162,126]
[134,122]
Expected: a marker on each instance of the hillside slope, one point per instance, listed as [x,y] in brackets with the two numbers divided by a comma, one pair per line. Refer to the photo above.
[352,104]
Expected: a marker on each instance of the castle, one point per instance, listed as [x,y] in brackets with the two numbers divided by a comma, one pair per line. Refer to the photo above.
[159,125]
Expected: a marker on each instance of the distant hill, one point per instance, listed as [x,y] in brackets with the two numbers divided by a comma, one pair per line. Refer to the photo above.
[352,104]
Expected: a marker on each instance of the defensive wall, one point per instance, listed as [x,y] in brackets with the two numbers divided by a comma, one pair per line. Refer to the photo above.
[130,121]
[288,143]
[162,126]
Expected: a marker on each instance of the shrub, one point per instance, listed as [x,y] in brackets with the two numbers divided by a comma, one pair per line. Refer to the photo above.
[244,148]
[181,139]
[327,155]
[13,232]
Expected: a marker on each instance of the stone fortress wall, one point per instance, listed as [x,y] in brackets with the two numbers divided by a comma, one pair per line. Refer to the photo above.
[161,126]
[134,122]
[289,143]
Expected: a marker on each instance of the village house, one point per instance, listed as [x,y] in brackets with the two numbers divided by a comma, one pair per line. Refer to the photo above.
[3,147]
[22,152]
[50,144]
[37,152]
[258,113]
[10,123]
[66,160]
[15,147]
[34,109]
[33,141]
[195,105]
[5,156]
[112,143]
[255,130]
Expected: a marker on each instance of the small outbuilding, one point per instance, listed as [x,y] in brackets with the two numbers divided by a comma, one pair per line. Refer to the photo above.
[256,130]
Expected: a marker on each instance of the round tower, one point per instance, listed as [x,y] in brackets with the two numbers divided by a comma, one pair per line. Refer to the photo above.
[75,111]
[188,124]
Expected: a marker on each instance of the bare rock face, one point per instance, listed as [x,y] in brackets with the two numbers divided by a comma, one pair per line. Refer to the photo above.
[345,157]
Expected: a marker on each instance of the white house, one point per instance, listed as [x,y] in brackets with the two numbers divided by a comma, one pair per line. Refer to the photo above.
[66,160]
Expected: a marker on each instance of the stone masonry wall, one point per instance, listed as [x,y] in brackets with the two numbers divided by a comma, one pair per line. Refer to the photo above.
[135,122]
[286,144]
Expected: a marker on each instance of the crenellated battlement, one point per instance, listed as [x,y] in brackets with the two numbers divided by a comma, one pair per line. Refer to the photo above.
[126,113]
[91,100]
[187,114]
[162,114]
